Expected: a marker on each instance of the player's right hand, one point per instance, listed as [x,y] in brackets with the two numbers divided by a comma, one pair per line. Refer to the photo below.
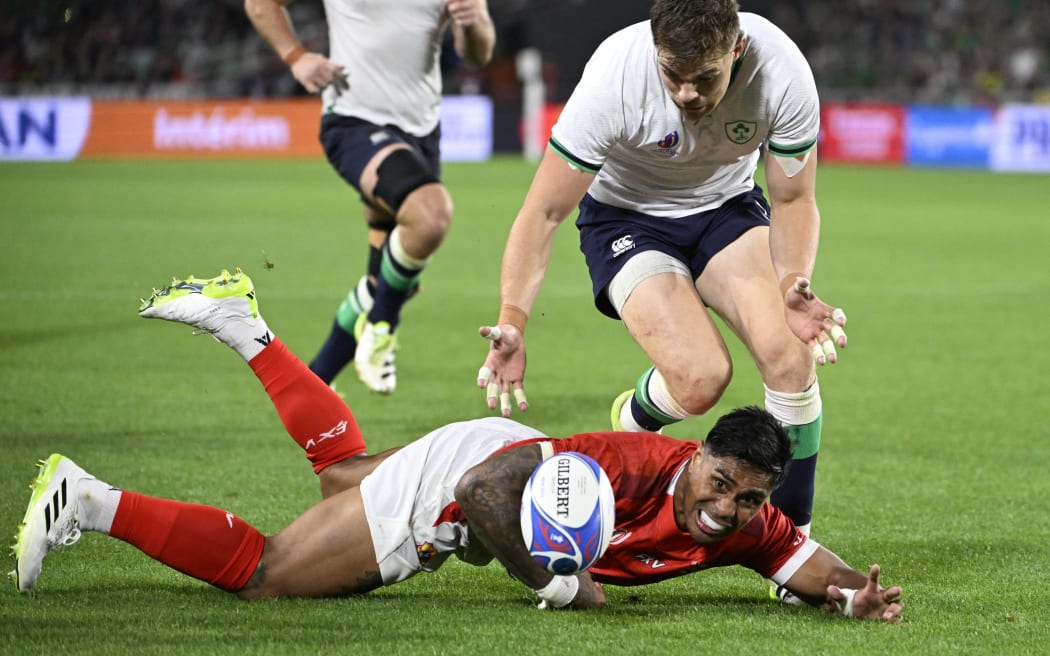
[504,370]
[813,321]
[315,72]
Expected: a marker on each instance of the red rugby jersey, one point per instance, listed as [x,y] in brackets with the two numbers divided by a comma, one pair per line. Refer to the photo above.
[647,546]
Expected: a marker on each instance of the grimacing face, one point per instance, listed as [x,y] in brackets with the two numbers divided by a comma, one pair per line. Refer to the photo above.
[697,88]
[716,497]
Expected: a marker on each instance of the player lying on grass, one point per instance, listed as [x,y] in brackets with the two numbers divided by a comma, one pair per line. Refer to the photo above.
[681,506]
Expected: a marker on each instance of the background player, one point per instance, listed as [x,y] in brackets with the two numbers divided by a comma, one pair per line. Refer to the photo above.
[381,89]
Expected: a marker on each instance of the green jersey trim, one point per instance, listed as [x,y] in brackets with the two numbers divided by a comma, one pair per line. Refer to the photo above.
[792,151]
[572,159]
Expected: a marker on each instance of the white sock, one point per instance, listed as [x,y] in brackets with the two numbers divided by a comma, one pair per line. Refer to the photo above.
[98,503]
[397,251]
[795,409]
[248,338]
[627,419]
[661,398]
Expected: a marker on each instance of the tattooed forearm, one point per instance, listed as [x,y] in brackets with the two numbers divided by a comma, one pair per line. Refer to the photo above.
[490,496]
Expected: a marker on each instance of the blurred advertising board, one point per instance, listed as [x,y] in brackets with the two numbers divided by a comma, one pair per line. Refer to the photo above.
[862,132]
[69,128]
[203,129]
[466,128]
[43,128]
[1021,140]
[949,136]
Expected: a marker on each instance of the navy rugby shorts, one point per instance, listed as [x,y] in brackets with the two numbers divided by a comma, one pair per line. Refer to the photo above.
[610,236]
[350,143]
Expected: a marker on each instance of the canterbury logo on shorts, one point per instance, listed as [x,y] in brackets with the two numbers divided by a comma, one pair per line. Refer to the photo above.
[622,245]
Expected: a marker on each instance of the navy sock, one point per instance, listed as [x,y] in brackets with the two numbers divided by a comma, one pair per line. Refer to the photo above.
[794,497]
[393,287]
[644,419]
[337,351]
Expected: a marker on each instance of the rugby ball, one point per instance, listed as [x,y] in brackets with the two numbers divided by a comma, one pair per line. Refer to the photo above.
[567,513]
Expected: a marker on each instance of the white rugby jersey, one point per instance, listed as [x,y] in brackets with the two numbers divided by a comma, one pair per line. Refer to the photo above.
[391,53]
[410,498]
[621,123]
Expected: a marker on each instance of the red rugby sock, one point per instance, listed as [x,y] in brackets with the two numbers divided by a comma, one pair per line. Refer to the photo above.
[206,543]
[313,414]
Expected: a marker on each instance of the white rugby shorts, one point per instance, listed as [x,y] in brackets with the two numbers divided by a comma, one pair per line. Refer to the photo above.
[410,497]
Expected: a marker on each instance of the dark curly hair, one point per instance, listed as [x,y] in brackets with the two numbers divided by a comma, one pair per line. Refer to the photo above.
[753,436]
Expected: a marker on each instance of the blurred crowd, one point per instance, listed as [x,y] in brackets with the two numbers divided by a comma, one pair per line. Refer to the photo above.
[928,51]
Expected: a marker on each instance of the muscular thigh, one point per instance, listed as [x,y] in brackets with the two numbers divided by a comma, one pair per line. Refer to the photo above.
[667,319]
[740,285]
[326,551]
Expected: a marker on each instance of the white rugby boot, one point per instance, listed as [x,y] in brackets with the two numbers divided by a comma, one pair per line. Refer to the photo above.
[51,520]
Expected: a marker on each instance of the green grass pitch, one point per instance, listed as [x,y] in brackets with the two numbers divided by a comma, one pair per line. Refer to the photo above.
[936,447]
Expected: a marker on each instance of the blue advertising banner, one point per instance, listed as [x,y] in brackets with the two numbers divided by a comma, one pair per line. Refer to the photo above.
[948,136]
[1022,139]
[43,128]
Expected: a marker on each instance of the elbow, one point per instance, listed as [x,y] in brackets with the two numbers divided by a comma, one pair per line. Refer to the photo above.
[466,489]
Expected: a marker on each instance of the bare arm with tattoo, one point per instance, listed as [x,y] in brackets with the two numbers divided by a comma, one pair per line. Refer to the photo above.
[490,496]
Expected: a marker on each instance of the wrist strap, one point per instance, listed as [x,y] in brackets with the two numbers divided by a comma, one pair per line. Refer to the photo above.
[513,315]
[294,55]
[846,607]
[560,591]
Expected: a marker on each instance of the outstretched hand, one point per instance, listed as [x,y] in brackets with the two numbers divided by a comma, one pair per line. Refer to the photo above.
[815,322]
[871,602]
[315,72]
[504,368]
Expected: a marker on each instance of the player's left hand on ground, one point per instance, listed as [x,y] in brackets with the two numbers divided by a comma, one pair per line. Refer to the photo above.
[815,322]
[504,370]
[590,595]
[871,602]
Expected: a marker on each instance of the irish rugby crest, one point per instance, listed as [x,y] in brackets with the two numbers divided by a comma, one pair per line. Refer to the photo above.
[741,132]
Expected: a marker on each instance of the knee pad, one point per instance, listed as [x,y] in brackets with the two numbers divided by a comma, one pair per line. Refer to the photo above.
[402,172]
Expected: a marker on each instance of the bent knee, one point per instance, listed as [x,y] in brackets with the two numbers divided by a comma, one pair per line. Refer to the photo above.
[427,213]
[697,390]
